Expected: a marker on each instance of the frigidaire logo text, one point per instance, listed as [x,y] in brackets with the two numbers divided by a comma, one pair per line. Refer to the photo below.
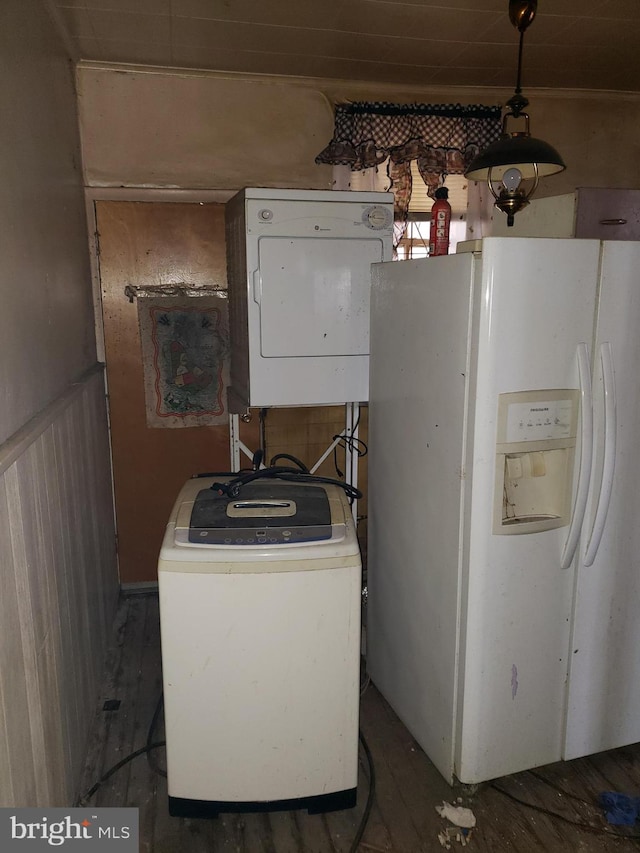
[57,832]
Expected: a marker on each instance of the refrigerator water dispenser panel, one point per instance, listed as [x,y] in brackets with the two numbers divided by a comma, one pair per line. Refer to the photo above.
[535,451]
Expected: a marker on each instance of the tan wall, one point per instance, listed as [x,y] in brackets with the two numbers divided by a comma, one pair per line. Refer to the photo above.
[596,136]
[58,573]
[164,129]
[46,327]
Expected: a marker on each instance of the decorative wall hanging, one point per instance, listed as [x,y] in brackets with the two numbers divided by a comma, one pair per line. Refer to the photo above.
[185,350]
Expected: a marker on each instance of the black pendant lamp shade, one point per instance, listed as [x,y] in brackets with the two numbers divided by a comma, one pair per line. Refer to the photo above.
[519,151]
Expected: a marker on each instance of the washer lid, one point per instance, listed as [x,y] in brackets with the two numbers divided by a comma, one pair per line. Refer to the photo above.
[265,512]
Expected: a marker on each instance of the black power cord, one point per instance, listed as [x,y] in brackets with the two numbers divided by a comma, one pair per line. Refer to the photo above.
[152,728]
[588,827]
[147,749]
[281,472]
[558,789]
[291,458]
[370,796]
[83,800]
[348,442]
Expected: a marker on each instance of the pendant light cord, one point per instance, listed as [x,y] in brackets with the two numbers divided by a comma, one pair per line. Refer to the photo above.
[519,78]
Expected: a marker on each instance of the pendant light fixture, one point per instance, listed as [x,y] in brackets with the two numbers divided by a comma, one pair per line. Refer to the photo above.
[513,165]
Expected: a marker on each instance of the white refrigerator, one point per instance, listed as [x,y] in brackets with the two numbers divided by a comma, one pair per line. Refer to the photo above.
[503,617]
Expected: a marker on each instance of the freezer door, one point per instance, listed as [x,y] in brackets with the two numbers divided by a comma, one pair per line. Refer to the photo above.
[604,686]
[468,631]
[419,391]
[537,307]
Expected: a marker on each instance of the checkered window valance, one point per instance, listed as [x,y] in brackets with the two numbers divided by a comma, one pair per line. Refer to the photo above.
[446,137]
[443,139]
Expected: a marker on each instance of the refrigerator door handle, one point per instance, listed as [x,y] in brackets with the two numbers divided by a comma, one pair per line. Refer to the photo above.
[586,454]
[608,465]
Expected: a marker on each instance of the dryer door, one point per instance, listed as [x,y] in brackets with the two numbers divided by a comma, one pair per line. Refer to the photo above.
[313,294]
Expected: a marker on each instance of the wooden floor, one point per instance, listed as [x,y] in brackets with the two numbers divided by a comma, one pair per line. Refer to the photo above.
[558,810]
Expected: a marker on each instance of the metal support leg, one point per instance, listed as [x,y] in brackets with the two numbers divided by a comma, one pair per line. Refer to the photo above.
[352,422]
[236,445]
[234,441]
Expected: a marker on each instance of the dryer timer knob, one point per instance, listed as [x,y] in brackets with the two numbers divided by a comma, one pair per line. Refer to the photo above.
[377,217]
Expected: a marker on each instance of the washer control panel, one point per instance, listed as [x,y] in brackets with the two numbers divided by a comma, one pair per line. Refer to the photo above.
[262,536]
[264,513]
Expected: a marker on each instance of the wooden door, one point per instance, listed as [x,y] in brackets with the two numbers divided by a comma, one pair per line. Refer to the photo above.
[149,244]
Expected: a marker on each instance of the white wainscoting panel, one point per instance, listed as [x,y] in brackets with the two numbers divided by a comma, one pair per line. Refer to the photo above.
[58,593]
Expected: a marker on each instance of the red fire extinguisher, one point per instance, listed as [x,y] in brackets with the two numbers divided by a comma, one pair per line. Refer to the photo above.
[440,222]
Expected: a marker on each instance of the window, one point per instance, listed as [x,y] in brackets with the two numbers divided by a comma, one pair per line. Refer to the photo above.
[415,242]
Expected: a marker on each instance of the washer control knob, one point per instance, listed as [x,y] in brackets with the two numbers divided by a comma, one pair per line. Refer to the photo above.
[265,215]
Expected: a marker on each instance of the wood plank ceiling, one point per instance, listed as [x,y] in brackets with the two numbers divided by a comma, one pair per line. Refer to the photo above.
[575,44]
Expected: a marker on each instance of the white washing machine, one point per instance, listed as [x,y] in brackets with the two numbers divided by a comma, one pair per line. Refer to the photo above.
[260,624]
